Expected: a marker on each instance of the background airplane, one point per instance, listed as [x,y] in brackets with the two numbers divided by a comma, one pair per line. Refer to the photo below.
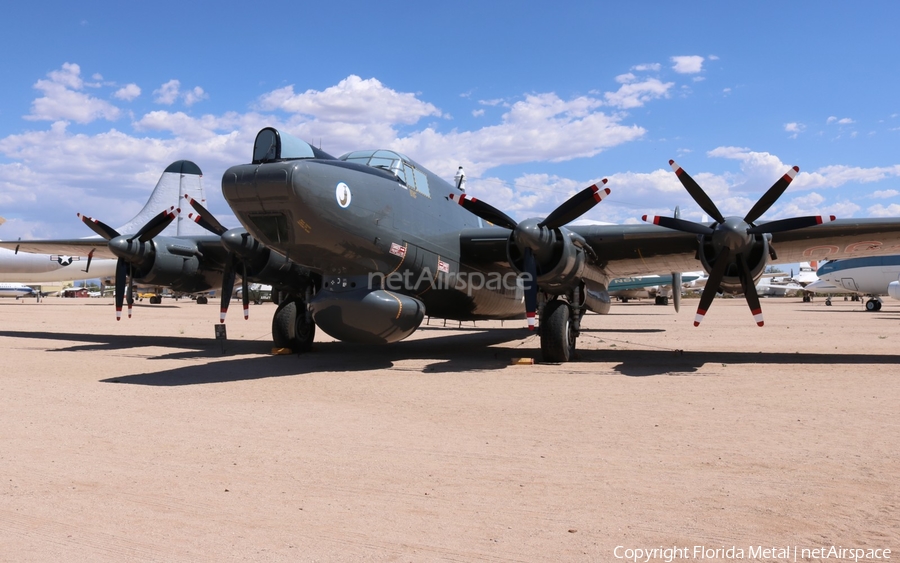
[872,276]
[16,290]
[773,287]
[657,287]
[163,248]
[179,179]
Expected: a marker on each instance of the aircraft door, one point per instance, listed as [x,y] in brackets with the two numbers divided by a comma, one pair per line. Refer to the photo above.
[850,284]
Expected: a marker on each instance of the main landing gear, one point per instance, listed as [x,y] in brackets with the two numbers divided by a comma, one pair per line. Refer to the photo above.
[292,326]
[873,305]
[560,325]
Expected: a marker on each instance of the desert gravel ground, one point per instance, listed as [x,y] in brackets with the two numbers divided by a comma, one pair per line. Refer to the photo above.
[140,440]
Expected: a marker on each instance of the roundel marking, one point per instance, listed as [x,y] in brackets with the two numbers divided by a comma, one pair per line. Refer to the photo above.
[342,194]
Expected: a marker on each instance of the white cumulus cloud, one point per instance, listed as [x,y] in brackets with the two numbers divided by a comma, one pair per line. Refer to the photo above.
[63,100]
[129,92]
[690,64]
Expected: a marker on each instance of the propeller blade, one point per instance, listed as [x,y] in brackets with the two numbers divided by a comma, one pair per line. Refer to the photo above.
[90,257]
[227,286]
[484,210]
[678,224]
[750,290]
[697,193]
[121,273]
[712,285]
[576,206]
[204,218]
[156,225]
[129,299]
[676,289]
[203,222]
[531,289]
[790,224]
[245,293]
[99,227]
[771,196]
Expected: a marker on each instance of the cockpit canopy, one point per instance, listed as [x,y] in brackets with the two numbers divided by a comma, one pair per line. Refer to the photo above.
[272,145]
[407,171]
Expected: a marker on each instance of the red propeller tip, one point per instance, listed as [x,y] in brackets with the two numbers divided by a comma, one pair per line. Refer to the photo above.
[757,316]
[605,180]
[699,317]
[671,162]
[796,169]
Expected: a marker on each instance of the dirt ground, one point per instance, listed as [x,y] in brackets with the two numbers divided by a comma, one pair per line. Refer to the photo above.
[140,440]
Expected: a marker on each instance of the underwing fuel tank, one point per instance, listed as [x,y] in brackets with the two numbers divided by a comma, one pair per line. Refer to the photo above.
[366,316]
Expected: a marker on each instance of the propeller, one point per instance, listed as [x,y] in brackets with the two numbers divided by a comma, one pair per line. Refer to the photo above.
[676,276]
[123,247]
[206,220]
[733,238]
[534,237]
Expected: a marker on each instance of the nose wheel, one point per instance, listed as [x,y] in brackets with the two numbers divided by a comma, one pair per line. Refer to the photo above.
[558,332]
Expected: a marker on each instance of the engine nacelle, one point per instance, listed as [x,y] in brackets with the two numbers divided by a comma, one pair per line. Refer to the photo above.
[559,266]
[365,315]
[894,289]
[757,259]
[174,263]
[263,264]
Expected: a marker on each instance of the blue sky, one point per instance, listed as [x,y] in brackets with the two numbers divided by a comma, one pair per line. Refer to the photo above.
[535,100]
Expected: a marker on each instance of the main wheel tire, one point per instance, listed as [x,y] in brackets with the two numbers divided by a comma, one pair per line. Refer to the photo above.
[290,328]
[871,305]
[557,333]
[202,300]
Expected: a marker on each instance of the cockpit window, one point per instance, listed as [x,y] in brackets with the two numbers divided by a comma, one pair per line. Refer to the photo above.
[402,167]
[272,145]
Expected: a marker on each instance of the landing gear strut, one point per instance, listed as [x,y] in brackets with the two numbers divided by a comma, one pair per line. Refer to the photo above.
[292,327]
[559,328]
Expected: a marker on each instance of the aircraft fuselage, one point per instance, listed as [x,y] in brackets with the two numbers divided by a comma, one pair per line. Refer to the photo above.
[361,226]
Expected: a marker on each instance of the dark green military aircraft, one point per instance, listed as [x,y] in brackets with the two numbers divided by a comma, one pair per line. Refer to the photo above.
[387,242]
[365,245]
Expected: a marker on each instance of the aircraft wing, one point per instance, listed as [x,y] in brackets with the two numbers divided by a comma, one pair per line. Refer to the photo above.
[633,250]
[68,247]
[85,246]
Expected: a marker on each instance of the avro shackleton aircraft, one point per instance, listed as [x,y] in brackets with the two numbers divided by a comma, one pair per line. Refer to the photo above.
[387,241]
[383,241]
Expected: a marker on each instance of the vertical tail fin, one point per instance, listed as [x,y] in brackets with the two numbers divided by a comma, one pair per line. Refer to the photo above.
[179,178]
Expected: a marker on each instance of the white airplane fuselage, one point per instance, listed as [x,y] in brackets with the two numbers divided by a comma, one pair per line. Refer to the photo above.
[16,290]
[869,275]
[23,267]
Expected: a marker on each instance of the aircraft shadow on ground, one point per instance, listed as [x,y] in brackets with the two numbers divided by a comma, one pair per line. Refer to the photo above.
[450,353]
[470,351]
[640,363]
